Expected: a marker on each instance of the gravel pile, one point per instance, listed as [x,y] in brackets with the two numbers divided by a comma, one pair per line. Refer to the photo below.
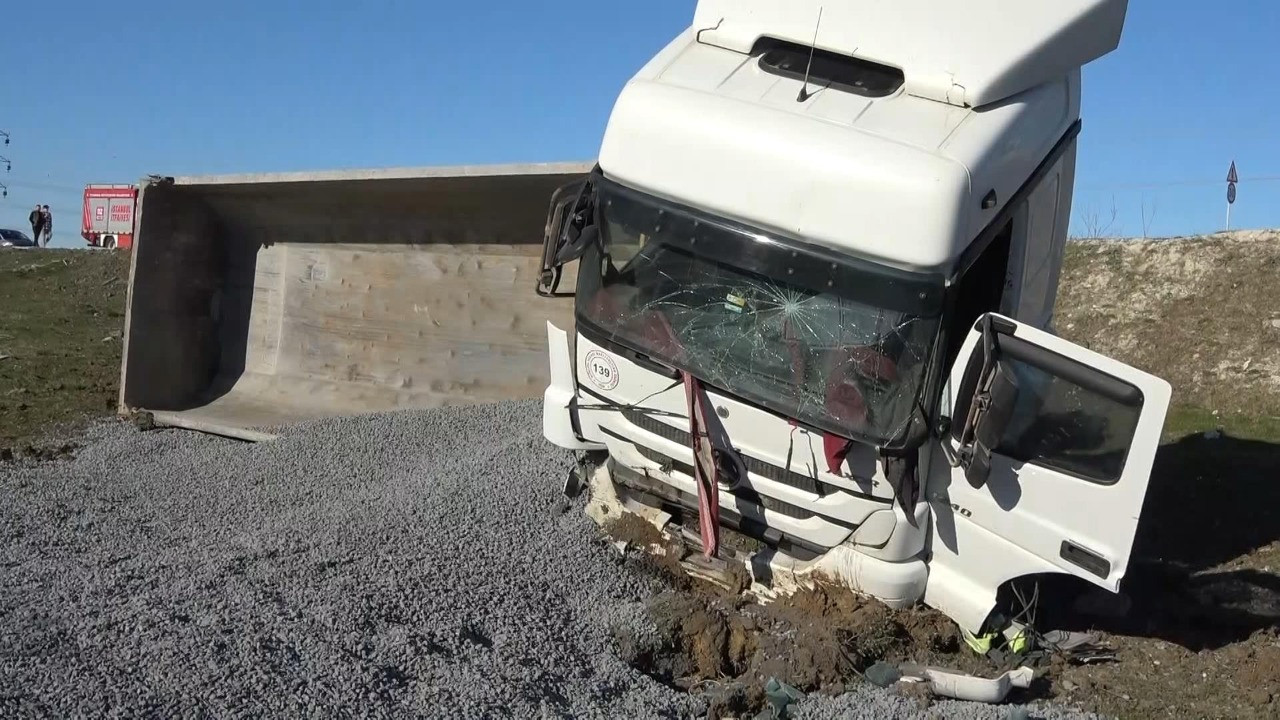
[413,564]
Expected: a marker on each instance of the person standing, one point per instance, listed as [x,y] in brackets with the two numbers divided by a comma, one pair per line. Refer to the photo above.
[48,225]
[36,218]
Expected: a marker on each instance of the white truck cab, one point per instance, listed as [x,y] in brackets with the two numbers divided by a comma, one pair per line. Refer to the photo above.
[816,268]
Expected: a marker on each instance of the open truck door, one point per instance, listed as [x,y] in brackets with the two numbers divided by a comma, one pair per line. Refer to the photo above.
[1049,449]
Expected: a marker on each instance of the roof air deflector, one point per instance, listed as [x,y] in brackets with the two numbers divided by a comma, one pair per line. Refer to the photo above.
[829,69]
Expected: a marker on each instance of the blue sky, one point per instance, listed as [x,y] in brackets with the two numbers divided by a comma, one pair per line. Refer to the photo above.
[110,92]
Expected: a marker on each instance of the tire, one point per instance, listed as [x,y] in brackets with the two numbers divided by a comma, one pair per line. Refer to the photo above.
[109,243]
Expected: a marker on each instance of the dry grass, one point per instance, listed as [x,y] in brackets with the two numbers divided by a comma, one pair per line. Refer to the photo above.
[61,321]
[1203,313]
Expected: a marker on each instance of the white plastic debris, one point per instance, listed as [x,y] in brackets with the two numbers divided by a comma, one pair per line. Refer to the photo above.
[958,685]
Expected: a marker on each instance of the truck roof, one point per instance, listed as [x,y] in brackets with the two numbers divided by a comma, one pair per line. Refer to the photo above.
[851,160]
[968,53]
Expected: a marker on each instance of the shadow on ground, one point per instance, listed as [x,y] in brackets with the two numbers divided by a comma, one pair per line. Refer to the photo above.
[1205,562]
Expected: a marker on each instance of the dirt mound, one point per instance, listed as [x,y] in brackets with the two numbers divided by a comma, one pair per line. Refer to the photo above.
[1186,643]
[1153,678]
[816,640]
[1203,313]
[687,640]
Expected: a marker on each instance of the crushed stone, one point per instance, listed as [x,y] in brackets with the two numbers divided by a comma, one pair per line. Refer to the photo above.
[421,563]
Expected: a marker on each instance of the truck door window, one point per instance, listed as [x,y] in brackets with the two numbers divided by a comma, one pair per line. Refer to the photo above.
[1068,417]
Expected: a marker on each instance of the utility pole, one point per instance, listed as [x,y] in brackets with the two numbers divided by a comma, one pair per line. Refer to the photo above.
[8,166]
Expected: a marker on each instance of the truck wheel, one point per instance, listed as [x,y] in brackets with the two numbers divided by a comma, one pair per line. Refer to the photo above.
[109,243]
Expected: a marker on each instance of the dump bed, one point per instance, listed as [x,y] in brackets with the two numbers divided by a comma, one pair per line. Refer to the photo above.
[260,300]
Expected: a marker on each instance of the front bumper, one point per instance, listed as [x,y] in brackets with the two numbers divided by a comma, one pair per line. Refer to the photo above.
[785,564]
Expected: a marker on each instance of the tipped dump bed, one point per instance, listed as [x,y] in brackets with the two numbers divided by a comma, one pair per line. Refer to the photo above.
[255,301]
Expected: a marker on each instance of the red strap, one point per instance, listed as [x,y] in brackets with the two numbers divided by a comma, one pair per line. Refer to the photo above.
[657,328]
[705,473]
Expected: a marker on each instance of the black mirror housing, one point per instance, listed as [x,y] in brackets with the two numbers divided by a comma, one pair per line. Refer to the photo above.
[996,403]
[571,212]
[577,243]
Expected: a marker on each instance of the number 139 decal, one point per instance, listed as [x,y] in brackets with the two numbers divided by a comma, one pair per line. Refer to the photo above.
[601,370]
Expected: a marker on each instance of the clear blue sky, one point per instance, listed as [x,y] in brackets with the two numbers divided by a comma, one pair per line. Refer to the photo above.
[107,92]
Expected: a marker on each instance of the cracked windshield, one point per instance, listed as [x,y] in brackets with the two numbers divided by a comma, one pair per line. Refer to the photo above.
[830,344]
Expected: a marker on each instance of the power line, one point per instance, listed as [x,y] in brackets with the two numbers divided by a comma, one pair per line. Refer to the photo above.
[46,186]
[1181,183]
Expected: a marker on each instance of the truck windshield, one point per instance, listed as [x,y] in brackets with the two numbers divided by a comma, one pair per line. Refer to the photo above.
[828,340]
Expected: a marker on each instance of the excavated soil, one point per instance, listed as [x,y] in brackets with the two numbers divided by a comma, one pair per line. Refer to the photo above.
[1221,658]
[699,636]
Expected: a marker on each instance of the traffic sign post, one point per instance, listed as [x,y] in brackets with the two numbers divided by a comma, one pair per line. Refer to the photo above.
[1232,179]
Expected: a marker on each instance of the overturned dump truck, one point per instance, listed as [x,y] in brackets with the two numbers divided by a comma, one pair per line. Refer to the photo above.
[816,270]
[259,300]
[804,296]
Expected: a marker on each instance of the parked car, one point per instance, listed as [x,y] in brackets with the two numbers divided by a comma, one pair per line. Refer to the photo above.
[15,238]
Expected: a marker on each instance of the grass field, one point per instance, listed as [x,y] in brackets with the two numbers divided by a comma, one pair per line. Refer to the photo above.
[1203,313]
[61,320]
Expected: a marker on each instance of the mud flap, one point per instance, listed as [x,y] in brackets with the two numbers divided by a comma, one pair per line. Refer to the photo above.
[574,483]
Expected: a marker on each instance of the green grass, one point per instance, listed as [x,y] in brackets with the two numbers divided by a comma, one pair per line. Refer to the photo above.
[61,327]
[1184,420]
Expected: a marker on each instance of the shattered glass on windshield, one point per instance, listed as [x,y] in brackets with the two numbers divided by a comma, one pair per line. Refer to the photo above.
[805,338]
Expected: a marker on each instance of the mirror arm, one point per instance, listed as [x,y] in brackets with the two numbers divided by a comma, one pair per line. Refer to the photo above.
[580,215]
[976,404]
[979,403]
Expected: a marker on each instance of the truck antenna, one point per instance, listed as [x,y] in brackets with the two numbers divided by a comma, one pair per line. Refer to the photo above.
[804,90]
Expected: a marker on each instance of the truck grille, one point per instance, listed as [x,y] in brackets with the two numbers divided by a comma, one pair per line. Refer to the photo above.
[777,474]
[744,493]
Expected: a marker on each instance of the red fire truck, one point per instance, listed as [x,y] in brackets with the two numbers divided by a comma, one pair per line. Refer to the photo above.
[109,215]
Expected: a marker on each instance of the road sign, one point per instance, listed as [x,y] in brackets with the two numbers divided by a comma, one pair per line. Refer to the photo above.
[1232,179]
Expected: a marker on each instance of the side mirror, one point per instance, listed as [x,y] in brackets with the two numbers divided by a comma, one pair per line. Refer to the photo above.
[995,405]
[559,232]
[575,247]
